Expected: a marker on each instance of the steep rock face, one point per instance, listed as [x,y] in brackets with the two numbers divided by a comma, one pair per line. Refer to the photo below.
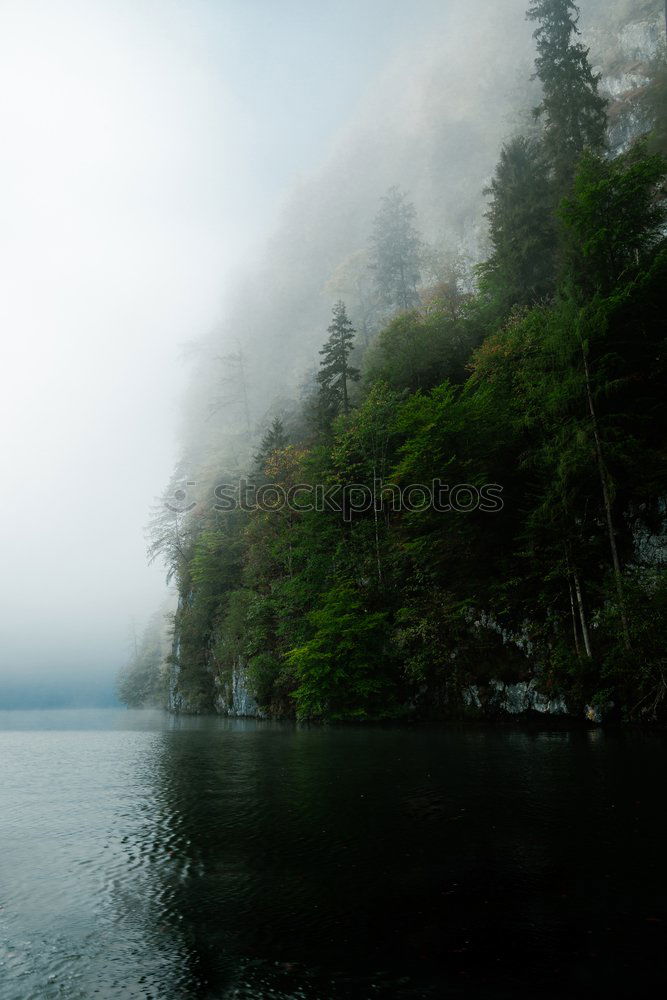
[178,701]
[233,696]
[624,59]
[175,702]
[499,698]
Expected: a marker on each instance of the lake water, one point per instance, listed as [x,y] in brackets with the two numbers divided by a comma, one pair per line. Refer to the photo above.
[151,857]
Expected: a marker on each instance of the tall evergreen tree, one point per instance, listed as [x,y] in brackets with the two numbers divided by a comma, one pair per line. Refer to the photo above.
[521,227]
[275,439]
[336,373]
[396,252]
[573,111]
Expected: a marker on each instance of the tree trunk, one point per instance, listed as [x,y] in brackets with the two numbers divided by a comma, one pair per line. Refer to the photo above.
[575,631]
[602,471]
[343,376]
[377,533]
[582,615]
[244,390]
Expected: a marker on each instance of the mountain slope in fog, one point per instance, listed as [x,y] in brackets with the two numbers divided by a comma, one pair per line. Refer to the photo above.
[433,125]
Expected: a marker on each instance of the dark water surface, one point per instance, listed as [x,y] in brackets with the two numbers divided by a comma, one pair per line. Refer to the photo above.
[142,856]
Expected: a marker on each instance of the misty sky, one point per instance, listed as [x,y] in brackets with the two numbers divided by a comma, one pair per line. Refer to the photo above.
[146,147]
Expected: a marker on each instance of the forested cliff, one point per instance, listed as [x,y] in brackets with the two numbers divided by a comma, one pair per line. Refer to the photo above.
[423,466]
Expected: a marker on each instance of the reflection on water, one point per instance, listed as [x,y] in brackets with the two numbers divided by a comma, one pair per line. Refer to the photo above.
[149,857]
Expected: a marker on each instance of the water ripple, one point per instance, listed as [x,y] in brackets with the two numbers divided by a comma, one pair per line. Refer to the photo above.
[218,860]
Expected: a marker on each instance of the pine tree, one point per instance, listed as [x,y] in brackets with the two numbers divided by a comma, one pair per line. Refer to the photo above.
[521,267]
[335,371]
[573,111]
[396,252]
[275,439]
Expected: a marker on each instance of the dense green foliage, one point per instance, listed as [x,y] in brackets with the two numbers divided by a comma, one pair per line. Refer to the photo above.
[396,252]
[530,420]
[521,267]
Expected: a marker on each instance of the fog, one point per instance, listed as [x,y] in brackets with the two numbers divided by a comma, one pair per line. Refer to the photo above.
[188,171]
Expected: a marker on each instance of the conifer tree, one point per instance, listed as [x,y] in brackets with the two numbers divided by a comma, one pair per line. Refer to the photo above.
[335,371]
[521,228]
[573,111]
[275,439]
[396,252]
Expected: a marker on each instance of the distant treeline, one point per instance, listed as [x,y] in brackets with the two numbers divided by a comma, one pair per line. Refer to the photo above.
[545,377]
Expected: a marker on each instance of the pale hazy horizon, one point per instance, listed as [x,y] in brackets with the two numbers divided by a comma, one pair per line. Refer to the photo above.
[148,149]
